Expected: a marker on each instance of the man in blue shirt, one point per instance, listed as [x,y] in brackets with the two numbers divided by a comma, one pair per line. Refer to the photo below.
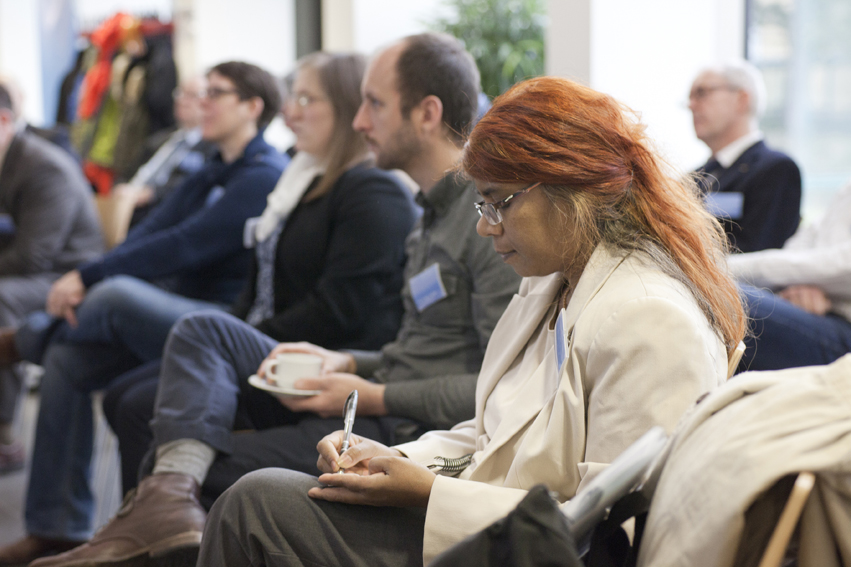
[111,317]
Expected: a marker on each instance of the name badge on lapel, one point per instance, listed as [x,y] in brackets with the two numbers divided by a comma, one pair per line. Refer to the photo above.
[725,205]
[561,341]
[7,225]
[427,287]
[214,195]
[249,238]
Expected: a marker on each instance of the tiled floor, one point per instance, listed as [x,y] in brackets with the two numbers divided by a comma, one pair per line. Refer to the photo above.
[104,468]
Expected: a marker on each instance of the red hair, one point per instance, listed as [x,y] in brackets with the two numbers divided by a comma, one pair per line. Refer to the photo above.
[592,154]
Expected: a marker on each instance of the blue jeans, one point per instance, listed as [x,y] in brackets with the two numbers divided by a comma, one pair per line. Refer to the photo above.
[785,336]
[123,322]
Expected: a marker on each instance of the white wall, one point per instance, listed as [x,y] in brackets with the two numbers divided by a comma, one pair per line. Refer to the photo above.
[646,55]
[20,52]
[257,31]
[91,12]
[366,25]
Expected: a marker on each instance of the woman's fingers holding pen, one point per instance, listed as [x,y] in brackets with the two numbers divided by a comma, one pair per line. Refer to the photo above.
[328,449]
[356,459]
[329,453]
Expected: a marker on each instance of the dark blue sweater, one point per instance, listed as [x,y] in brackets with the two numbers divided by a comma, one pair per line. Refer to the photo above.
[194,237]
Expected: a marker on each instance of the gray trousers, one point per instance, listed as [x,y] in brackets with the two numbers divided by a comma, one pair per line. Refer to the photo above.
[268,519]
[19,295]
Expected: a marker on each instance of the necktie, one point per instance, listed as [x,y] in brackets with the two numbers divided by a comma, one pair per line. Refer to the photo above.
[711,166]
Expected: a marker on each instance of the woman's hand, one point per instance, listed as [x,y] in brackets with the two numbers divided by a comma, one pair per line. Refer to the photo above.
[388,481]
[334,391]
[356,459]
[65,295]
[332,361]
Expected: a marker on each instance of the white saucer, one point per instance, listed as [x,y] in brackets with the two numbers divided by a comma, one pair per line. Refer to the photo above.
[260,383]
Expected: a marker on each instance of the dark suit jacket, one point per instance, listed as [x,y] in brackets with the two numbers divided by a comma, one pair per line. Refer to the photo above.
[771,185]
[47,209]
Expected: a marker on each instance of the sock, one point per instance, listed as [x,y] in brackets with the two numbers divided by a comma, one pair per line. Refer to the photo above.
[185,456]
[7,436]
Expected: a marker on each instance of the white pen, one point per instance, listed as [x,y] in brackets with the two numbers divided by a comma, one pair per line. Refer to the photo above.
[349,411]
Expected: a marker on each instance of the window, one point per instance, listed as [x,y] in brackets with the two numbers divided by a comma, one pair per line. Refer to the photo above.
[803,48]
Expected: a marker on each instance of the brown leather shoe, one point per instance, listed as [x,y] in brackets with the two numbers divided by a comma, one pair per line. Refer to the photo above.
[9,354]
[162,516]
[30,548]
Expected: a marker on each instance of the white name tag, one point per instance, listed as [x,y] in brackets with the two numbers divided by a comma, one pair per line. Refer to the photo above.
[427,287]
[249,237]
[214,195]
[725,205]
[7,225]
[561,341]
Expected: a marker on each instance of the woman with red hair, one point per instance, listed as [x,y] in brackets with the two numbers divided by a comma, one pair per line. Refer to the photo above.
[625,318]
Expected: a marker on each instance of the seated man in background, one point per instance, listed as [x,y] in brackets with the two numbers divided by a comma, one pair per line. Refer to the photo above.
[753,190]
[48,225]
[419,101]
[806,317]
[116,318]
[56,134]
[171,155]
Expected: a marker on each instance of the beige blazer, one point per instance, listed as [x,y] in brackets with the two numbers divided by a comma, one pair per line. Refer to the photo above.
[640,353]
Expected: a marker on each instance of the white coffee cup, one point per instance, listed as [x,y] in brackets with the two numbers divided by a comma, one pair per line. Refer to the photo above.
[290,366]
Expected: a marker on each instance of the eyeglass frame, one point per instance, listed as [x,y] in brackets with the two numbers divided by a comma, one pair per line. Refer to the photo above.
[304,100]
[215,93]
[488,210]
[701,93]
[179,92]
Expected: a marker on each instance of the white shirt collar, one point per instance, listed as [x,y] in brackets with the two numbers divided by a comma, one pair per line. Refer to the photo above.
[728,155]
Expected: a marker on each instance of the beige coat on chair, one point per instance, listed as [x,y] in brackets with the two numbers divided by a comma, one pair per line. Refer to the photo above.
[736,444]
[640,353]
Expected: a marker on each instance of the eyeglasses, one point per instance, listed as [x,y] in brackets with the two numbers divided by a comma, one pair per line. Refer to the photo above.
[178,93]
[701,93]
[491,210]
[304,100]
[215,93]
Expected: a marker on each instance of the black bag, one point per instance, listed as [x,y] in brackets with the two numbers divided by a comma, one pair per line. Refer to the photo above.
[536,534]
[533,534]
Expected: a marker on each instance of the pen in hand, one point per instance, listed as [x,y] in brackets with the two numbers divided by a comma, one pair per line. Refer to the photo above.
[349,411]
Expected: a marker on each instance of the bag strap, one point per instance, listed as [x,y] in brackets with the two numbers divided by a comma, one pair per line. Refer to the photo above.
[609,544]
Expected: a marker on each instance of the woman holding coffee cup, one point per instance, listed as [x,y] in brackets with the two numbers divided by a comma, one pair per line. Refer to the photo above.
[625,318]
[329,249]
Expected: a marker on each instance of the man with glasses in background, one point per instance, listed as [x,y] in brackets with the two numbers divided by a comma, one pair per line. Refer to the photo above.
[753,190]
[170,155]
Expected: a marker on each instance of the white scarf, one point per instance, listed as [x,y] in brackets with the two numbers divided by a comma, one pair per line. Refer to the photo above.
[291,187]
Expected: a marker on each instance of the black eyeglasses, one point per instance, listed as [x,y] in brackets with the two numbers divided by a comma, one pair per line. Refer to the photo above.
[215,93]
[491,210]
[178,93]
[701,93]
[304,100]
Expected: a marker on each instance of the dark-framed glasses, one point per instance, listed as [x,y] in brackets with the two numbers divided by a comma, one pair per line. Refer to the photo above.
[491,210]
[700,93]
[186,93]
[215,93]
